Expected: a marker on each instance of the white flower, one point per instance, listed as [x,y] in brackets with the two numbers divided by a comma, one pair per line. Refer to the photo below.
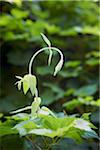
[58,67]
[28,82]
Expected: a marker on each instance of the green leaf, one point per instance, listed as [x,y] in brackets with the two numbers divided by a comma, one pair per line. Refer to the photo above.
[90,134]
[86,116]
[24,126]
[72,104]
[44,132]
[82,124]
[46,39]
[92,61]
[19,13]
[20,116]
[44,70]
[7,130]
[48,97]
[72,64]
[74,134]
[54,123]
[86,90]
[95,102]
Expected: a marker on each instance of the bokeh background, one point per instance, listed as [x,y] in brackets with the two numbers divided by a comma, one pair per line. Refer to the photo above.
[73,27]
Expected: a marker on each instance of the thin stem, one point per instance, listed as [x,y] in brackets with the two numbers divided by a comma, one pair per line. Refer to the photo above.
[39,51]
[20,110]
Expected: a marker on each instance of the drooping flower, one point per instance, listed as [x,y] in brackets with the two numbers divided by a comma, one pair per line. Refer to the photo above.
[27,82]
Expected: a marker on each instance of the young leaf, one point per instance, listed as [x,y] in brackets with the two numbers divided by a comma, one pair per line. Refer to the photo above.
[82,124]
[22,131]
[86,116]
[44,132]
[46,39]
[7,130]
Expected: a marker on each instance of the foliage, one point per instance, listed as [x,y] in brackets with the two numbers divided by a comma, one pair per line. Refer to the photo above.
[73,27]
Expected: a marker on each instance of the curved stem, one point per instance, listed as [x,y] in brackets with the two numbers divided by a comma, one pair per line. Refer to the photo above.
[39,51]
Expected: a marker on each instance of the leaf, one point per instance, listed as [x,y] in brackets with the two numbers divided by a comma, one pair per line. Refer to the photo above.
[95,102]
[44,132]
[86,116]
[90,134]
[82,124]
[20,116]
[92,61]
[54,123]
[70,105]
[46,39]
[72,64]
[88,100]
[7,130]
[22,131]
[24,126]
[48,97]
[53,127]
[44,70]
[86,90]
[1,115]
[74,134]
[19,13]
[70,72]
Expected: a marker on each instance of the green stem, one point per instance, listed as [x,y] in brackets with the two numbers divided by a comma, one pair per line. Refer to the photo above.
[39,51]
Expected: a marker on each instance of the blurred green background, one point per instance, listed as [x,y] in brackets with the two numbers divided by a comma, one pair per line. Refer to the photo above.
[73,27]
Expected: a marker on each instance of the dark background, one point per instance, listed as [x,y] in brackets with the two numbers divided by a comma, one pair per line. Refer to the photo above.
[72,26]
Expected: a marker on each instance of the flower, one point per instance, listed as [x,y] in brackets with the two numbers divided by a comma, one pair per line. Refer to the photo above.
[58,67]
[28,82]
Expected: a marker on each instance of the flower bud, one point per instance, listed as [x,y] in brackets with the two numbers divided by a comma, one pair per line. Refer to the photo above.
[58,67]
